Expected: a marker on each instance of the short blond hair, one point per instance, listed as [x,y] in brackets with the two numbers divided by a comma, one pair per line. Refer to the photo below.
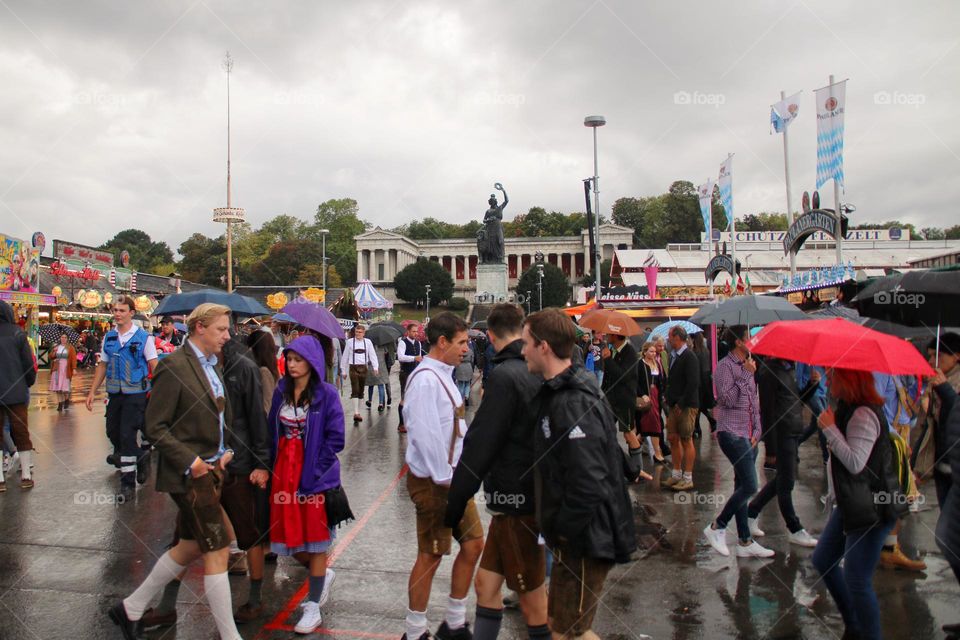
[205,314]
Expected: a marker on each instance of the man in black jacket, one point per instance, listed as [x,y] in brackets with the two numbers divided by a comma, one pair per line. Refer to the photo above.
[683,408]
[17,375]
[583,507]
[498,449]
[781,409]
[620,380]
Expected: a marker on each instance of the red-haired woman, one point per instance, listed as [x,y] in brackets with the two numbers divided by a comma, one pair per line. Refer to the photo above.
[864,486]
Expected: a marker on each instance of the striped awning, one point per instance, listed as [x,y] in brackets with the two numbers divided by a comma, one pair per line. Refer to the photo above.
[368,298]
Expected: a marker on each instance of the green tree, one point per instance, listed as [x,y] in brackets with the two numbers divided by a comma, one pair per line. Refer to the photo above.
[286,260]
[411,281]
[202,258]
[145,254]
[682,208]
[763,222]
[589,280]
[953,233]
[556,287]
[933,233]
[341,218]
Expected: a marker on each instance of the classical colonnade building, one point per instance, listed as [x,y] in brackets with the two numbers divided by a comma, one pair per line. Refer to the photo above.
[382,254]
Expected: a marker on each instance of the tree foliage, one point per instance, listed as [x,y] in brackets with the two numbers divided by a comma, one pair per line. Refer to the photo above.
[590,281]
[763,221]
[202,259]
[953,233]
[286,260]
[411,281]
[670,217]
[556,286]
[145,254]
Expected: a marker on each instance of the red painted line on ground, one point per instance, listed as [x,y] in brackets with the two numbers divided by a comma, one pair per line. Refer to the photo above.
[278,622]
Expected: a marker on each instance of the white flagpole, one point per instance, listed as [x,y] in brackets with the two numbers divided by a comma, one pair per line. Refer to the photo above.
[710,234]
[733,237]
[786,172]
[836,202]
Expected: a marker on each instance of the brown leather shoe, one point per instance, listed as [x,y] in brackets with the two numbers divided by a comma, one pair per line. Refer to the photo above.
[26,483]
[152,618]
[401,428]
[246,613]
[897,559]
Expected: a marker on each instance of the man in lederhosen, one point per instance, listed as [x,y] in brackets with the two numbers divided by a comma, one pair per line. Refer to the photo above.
[410,352]
[187,420]
[359,354]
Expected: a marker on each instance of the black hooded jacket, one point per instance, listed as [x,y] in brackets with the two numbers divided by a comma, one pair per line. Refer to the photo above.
[17,374]
[582,498]
[498,447]
[247,432]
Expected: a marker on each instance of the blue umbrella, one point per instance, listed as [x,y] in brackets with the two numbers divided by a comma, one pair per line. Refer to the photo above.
[179,326]
[663,330]
[183,303]
[282,317]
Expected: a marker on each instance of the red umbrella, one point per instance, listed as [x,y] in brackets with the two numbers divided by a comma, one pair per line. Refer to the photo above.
[839,343]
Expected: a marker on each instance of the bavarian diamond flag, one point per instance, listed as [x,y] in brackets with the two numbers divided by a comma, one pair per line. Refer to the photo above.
[831,105]
[726,187]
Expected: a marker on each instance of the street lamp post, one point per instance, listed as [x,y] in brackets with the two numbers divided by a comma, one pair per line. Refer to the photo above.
[540,283]
[595,122]
[427,287]
[323,236]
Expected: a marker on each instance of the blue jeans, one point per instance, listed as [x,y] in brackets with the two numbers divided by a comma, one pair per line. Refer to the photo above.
[852,584]
[380,392]
[743,456]
[464,387]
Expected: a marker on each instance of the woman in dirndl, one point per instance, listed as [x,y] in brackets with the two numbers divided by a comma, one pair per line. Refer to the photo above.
[62,365]
[306,420]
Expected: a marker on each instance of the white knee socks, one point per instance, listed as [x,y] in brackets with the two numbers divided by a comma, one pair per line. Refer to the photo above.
[217,588]
[25,464]
[163,572]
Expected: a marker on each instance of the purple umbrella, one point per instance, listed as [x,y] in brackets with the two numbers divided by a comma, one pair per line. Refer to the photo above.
[314,316]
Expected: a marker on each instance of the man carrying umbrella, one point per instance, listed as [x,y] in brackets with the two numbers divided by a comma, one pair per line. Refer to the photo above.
[127,361]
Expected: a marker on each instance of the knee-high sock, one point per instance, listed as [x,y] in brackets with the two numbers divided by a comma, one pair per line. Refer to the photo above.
[416,624]
[25,464]
[486,625]
[217,588]
[456,613]
[356,406]
[163,572]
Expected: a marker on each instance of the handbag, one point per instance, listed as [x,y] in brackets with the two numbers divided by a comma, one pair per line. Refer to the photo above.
[644,406]
[337,506]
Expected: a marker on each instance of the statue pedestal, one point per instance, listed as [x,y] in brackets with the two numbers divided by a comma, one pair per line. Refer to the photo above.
[491,283]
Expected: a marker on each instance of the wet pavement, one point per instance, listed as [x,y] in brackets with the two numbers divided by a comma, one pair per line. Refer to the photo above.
[68,551]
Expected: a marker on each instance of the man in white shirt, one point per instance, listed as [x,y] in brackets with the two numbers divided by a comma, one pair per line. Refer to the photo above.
[435,427]
[358,354]
[127,360]
[410,352]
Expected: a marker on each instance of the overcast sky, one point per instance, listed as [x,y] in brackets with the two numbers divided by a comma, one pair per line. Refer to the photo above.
[113,113]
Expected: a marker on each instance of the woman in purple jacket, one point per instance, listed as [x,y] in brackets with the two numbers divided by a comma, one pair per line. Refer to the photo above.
[306,420]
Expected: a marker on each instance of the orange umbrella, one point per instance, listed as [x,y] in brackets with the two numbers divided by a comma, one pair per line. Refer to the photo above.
[580,310]
[610,321]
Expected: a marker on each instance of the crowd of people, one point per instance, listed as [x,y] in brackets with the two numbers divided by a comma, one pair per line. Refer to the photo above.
[247,447]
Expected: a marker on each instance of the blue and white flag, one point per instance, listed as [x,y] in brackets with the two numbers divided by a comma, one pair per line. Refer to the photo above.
[726,187]
[831,106]
[705,194]
[783,113]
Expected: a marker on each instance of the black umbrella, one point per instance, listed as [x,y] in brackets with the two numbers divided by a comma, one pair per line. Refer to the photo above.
[183,303]
[890,328]
[920,298]
[748,310]
[51,333]
[381,334]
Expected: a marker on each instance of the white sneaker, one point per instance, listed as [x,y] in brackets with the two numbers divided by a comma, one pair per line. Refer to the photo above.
[803,539]
[14,463]
[755,529]
[331,575]
[310,619]
[717,538]
[753,550]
